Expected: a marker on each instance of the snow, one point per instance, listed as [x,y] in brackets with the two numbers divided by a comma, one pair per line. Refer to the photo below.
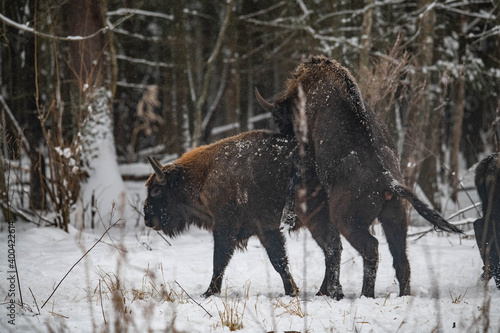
[126,272]
[133,280]
[445,293]
[104,181]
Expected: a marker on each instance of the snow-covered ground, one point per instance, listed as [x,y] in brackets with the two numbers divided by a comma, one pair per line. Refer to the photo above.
[135,281]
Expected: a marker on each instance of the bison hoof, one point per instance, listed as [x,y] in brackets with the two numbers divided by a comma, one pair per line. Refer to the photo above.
[337,294]
[208,293]
[368,295]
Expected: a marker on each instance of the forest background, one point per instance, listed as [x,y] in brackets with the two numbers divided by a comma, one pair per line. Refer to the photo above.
[166,76]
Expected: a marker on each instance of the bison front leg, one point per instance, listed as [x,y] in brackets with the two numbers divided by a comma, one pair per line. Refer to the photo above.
[274,243]
[224,246]
[288,216]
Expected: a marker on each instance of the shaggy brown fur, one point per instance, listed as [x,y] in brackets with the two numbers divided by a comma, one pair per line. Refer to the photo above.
[235,188]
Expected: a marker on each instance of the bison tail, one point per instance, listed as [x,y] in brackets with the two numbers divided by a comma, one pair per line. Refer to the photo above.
[427,213]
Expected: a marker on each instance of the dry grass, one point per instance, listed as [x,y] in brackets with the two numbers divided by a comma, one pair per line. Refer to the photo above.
[293,307]
[110,288]
[458,299]
[159,290]
[232,312]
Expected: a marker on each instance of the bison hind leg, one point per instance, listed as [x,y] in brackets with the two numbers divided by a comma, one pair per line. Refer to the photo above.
[393,219]
[328,239]
[360,238]
[274,243]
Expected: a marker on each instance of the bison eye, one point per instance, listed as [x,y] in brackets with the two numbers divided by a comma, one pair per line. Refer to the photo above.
[155,191]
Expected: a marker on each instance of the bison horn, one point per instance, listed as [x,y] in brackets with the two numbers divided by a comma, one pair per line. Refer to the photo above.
[157,167]
[265,104]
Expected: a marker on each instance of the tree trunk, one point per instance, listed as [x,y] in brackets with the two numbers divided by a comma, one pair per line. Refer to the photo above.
[210,66]
[420,138]
[20,72]
[179,86]
[85,17]
[366,35]
[91,68]
[458,116]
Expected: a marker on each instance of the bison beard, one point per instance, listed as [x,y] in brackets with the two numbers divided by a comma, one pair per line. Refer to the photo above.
[356,162]
[487,228]
[236,188]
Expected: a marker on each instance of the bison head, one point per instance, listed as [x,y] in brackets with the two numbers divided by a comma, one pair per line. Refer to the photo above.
[164,208]
[281,111]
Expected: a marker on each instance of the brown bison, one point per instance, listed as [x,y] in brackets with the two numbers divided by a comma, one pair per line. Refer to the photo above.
[356,162]
[236,188]
[487,228]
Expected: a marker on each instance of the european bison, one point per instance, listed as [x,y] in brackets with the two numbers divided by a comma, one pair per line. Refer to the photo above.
[235,188]
[356,162]
[487,228]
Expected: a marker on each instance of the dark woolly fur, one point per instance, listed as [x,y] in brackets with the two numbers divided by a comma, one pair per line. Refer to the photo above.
[236,189]
[318,70]
[356,162]
[487,228]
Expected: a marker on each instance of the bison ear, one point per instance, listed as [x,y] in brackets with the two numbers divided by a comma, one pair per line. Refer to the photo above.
[158,169]
[262,102]
[175,173]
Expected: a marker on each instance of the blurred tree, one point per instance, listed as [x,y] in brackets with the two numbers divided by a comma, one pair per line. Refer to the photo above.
[458,114]
[183,76]
[419,155]
[18,67]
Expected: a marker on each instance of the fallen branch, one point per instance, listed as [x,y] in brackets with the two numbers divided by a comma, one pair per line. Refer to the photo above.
[474,205]
[423,233]
[74,265]
[193,299]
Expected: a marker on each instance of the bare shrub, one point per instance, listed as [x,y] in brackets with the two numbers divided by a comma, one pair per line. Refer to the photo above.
[147,120]
[386,79]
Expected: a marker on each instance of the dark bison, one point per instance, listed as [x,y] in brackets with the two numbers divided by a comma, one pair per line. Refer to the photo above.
[356,162]
[236,188]
[487,228]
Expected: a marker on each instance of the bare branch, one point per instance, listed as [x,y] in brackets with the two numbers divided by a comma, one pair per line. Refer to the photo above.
[133,11]
[263,11]
[76,263]
[26,28]
[14,121]
[210,67]
[208,313]
[138,36]
[144,61]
